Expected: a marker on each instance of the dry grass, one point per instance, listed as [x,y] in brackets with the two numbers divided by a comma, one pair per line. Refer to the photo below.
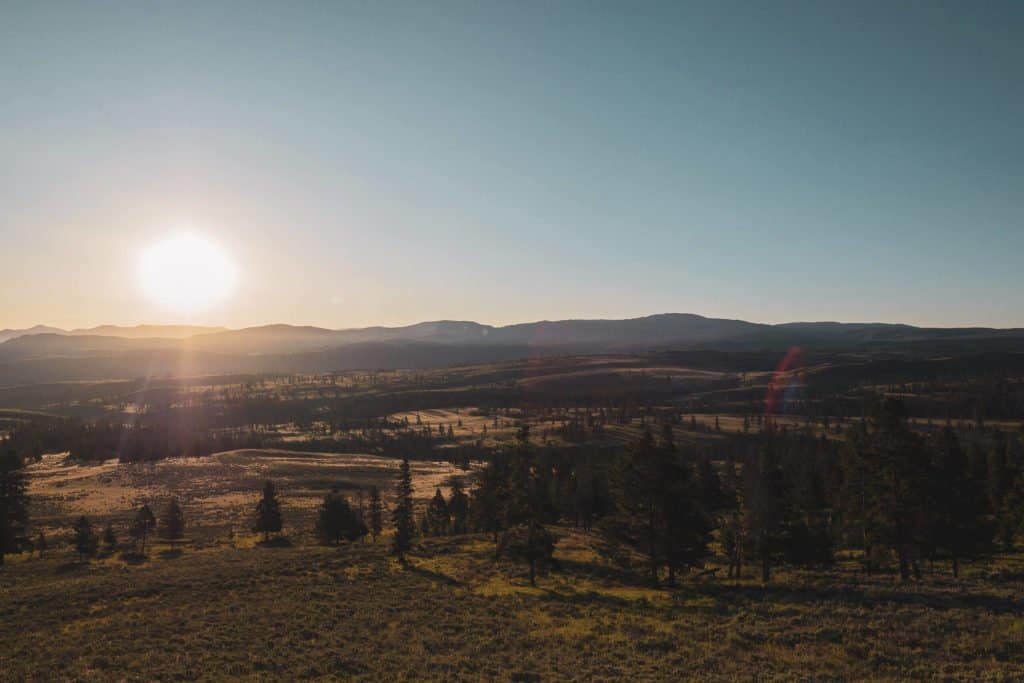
[455,614]
[218,492]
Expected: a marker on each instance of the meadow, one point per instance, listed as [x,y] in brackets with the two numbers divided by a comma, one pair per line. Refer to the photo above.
[454,613]
[227,607]
[223,605]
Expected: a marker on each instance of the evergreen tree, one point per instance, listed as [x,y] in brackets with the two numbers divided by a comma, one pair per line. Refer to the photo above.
[142,526]
[376,513]
[490,496]
[405,525]
[635,488]
[268,512]
[172,524]
[659,510]
[687,528]
[458,507]
[86,542]
[13,503]
[337,521]
[525,536]
[732,528]
[886,485]
[960,525]
[436,518]
[712,496]
[109,538]
[531,543]
[764,506]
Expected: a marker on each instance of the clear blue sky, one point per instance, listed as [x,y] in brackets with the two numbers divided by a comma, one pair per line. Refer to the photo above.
[387,163]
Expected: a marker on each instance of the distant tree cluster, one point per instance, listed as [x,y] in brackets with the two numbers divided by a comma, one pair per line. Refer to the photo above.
[762,494]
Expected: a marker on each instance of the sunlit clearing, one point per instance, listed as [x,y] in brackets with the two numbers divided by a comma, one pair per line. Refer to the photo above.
[186,272]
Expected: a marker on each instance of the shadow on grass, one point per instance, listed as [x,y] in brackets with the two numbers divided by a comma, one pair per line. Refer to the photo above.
[869,597]
[728,595]
[621,576]
[432,575]
[277,542]
[169,554]
[70,567]
[133,557]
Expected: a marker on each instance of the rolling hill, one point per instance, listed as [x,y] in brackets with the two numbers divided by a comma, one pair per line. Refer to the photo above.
[42,355]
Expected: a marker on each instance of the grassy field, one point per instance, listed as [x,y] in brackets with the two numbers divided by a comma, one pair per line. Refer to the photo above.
[306,612]
[225,607]
[217,493]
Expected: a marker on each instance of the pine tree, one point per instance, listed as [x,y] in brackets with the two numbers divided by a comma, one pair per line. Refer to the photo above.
[886,484]
[458,507]
[635,488]
[405,525]
[376,513]
[86,542]
[960,527]
[109,538]
[658,503]
[687,526]
[436,518]
[142,526]
[337,521]
[268,512]
[172,524]
[490,496]
[764,508]
[13,502]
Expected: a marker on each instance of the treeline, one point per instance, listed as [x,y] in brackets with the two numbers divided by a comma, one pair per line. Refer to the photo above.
[784,496]
[154,438]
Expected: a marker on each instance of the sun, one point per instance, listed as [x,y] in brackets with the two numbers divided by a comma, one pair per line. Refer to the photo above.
[186,272]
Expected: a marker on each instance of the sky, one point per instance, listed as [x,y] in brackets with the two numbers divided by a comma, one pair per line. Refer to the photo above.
[387,163]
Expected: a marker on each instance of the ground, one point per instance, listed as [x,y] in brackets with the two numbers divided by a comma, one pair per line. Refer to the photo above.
[307,612]
[225,607]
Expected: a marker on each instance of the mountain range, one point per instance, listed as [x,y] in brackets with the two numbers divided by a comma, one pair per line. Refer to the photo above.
[44,354]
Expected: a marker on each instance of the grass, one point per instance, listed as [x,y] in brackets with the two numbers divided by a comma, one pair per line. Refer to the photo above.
[229,607]
[313,613]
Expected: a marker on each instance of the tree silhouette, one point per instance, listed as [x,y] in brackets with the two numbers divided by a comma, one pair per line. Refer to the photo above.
[764,505]
[337,521]
[960,524]
[458,507]
[268,512]
[490,496]
[172,524]
[13,502]
[85,540]
[109,538]
[376,513]
[405,525]
[142,526]
[436,519]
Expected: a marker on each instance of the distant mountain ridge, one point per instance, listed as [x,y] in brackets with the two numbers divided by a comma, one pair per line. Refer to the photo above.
[129,332]
[42,354]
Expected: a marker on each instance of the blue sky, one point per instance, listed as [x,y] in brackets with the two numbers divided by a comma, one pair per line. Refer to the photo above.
[385,163]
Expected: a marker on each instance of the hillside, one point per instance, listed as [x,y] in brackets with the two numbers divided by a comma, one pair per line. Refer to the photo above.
[159,350]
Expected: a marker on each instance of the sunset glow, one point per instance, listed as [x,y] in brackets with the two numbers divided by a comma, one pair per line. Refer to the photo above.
[186,272]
